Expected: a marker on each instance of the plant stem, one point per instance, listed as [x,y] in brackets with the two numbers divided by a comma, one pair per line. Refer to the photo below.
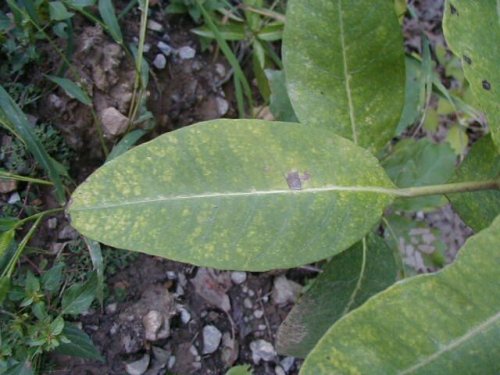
[458,187]
[38,215]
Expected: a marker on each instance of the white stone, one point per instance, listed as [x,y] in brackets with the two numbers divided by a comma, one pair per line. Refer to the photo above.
[222,106]
[111,308]
[164,48]
[155,26]
[278,370]
[138,367]
[220,69]
[185,315]
[113,122]
[211,339]
[14,198]
[262,350]
[160,61]
[247,303]
[258,314]
[171,275]
[171,362]
[238,277]
[156,326]
[186,53]
[287,363]
[285,290]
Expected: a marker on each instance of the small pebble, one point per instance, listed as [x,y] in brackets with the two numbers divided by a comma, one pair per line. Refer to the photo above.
[171,362]
[211,339]
[138,367]
[52,223]
[14,198]
[171,275]
[261,327]
[160,61]
[222,108]
[258,314]
[164,48]
[154,26]
[186,53]
[147,47]
[152,322]
[111,308]
[238,277]
[278,370]
[262,350]
[220,69]
[247,303]
[287,363]
[251,293]
[244,289]
[185,315]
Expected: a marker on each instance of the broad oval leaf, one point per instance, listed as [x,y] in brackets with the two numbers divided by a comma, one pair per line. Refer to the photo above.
[235,194]
[445,323]
[420,163]
[347,281]
[479,208]
[472,30]
[344,65]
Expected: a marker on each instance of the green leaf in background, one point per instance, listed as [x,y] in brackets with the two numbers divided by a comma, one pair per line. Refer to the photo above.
[7,223]
[413,95]
[52,279]
[478,209]
[280,105]
[347,281]
[23,368]
[79,4]
[78,297]
[58,11]
[240,370]
[344,65]
[230,32]
[271,33]
[107,11]
[80,344]
[6,239]
[420,163]
[72,89]
[15,120]
[129,140]
[445,323]
[4,288]
[95,252]
[472,30]
[235,194]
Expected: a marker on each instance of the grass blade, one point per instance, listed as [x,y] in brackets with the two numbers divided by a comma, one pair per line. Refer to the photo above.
[98,264]
[72,89]
[107,11]
[12,117]
[125,143]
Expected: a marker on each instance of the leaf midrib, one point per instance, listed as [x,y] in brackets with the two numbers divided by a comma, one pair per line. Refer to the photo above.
[157,199]
[452,344]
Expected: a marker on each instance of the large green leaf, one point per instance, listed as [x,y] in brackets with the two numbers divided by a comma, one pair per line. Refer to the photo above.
[235,194]
[280,105]
[344,65]
[478,209]
[446,323]
[472,30]
[347,281]
[420,163]
[79,345]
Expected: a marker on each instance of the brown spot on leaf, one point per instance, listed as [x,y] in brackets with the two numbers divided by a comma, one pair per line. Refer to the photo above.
[453,10]
[294,179]
[467,59]
[486,85]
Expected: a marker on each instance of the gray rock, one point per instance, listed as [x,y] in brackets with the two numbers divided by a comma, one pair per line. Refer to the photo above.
[171,362]
[238,277]
[211,339]
[154,26]
[164,48]
[138,367]
[185,315]
[285,290]
[113,122]
[287,363]
[186,53]
[262,350]
[160,61]
[156,326]
[7,186]
[258,314]
[278,370]
[247,303]
[111,308]
[14,198]
[222,105]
